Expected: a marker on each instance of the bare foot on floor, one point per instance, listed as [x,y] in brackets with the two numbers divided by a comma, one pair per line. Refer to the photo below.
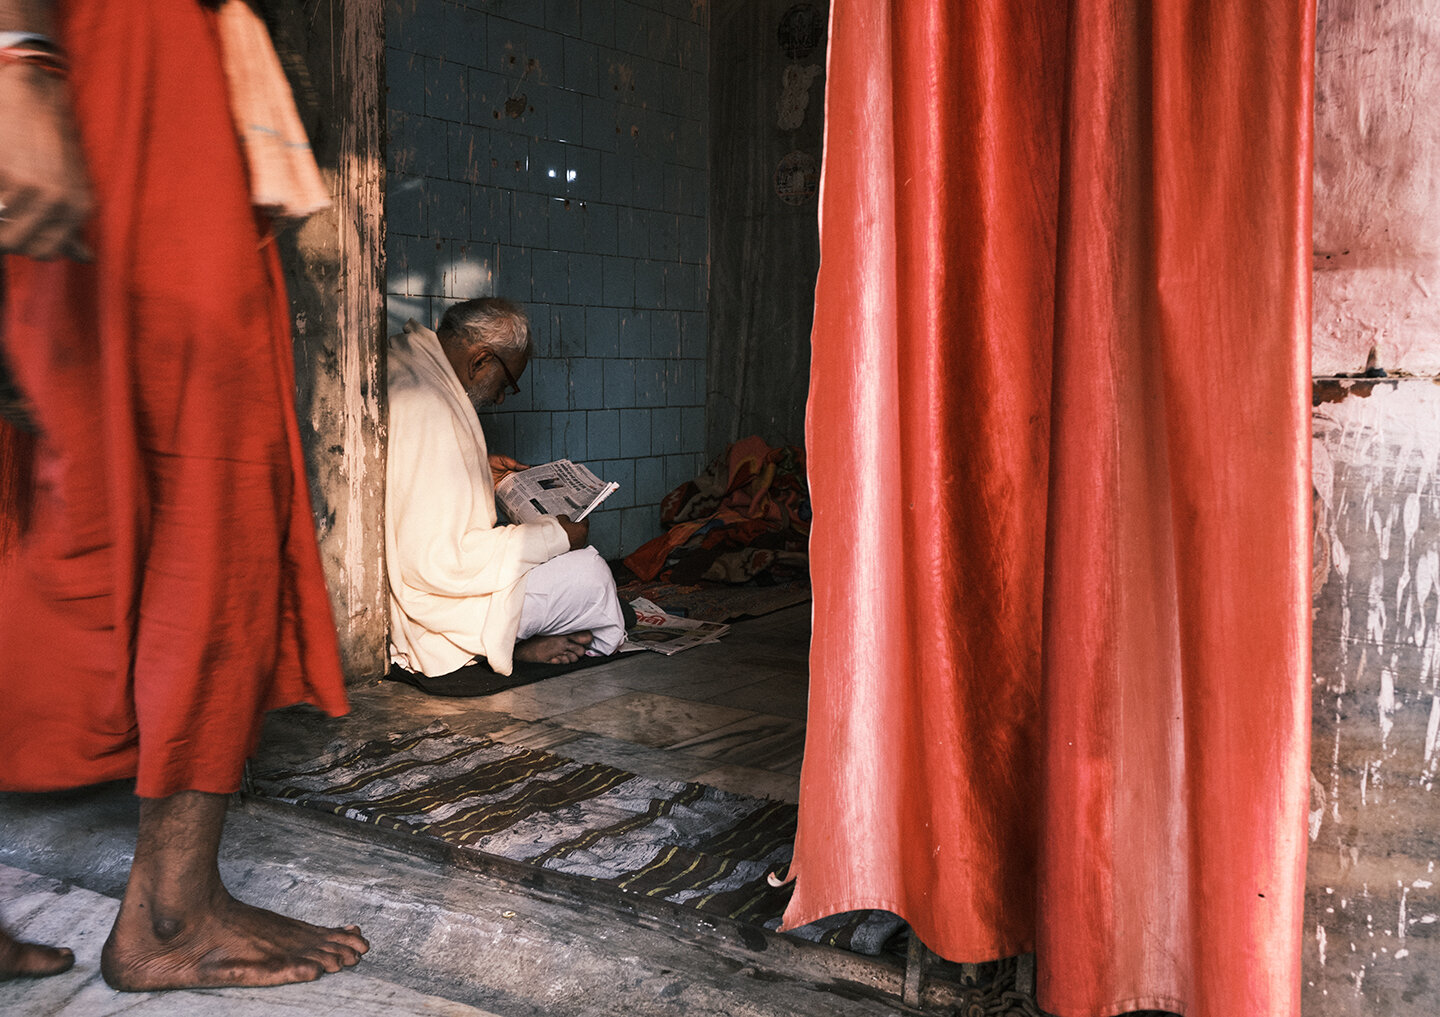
[225,944]
[179,928]
[31,960]
[564,649]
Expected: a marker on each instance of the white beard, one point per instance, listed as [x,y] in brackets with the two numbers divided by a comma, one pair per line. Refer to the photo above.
[479,401]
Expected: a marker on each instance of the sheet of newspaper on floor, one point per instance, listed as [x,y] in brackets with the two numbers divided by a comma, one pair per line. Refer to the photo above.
[667,633]
[561,488]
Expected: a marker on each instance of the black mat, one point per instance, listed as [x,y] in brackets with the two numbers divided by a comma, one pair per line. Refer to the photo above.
[478,679]
[691,845]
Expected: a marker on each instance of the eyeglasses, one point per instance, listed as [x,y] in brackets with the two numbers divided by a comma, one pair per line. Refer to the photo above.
[513,385]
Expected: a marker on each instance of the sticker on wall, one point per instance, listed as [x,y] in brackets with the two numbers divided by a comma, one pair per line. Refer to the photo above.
[795,96]
[797,178]
[800,29]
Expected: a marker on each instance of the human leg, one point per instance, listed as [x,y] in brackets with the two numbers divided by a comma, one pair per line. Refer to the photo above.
[232,617]
[179,927]
[138,679]
[570,609]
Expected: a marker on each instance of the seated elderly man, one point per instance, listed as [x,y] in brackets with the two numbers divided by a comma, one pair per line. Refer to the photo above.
[463,587]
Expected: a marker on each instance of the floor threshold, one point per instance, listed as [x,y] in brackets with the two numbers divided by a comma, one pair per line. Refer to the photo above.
[913,983]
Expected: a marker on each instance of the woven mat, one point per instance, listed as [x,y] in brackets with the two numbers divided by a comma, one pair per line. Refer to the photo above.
[718,602]
[689,844]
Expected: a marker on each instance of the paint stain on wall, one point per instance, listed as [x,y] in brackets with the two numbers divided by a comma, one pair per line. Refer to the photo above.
[1371,903]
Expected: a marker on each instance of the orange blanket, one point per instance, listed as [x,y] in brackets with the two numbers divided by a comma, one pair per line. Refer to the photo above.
[747,513]
[167,588]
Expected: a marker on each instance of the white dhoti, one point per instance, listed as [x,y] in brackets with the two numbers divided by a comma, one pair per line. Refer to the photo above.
[573,592]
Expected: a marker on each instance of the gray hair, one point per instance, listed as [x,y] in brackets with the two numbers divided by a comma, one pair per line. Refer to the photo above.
[494,321]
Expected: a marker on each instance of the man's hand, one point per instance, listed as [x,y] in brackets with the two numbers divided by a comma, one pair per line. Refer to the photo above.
[44,193]
[502,466]
[579,533]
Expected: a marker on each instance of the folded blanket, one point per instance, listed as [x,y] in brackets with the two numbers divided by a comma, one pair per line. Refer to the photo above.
[746,516]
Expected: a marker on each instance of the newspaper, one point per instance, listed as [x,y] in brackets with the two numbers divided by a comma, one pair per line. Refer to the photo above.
[667,633]
[561,488]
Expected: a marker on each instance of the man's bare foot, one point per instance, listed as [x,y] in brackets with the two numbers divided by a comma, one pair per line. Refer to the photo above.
[225,943]
[564,649]
[179,928]
[31,960]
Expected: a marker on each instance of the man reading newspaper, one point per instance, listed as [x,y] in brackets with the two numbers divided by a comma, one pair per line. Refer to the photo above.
[462,586]
[561,488]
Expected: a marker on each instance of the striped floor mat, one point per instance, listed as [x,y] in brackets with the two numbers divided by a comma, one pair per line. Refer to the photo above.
[689,844]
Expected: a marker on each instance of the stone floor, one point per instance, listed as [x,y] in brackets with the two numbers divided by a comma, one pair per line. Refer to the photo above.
[465,943]
[730,714]
[443,941]
[46,910]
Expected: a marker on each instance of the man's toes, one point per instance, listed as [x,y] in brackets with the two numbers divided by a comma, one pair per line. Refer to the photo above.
[354,940]
[340,954]
[306,971]
[346,944]
[581,638]
[300,969]
[58,959]
[31,960]
[330,961]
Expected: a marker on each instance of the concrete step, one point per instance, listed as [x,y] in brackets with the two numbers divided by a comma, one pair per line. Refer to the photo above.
[440,937]
[46,910]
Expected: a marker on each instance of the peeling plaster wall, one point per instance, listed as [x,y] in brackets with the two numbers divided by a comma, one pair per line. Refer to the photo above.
[1377,185]
[1373,910]
[1372,922]
[334,274]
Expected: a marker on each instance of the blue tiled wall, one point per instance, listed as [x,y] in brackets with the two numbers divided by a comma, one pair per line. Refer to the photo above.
[554,152]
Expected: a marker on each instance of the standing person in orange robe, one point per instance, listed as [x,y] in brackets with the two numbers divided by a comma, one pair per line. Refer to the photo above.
[160,587]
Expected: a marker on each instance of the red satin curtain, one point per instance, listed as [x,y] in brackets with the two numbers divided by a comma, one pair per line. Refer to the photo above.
[1058,442]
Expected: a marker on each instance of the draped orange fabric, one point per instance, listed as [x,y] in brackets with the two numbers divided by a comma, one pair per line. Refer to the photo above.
[166,589]
[1058,455]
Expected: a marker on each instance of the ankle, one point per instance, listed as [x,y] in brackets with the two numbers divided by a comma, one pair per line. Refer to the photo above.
[164,909]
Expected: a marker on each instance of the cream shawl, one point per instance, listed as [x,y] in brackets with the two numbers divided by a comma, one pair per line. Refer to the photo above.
[457,580]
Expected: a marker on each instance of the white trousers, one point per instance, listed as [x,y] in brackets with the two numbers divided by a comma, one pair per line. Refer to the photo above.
[573,592]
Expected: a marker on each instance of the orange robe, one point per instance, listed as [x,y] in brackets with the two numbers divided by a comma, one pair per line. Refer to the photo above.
[167,589]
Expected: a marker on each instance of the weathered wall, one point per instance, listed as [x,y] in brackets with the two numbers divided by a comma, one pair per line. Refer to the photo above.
[1373,943]
[555,153]
[332,51]
[1372,908]
[1377,186]
[767,105]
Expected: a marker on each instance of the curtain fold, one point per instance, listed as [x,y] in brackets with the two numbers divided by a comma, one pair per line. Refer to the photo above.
[1058,446]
